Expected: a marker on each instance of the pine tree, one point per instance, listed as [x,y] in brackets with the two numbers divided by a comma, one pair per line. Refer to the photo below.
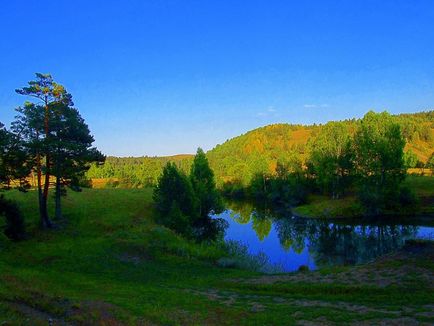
[209,200]
[38,117]
[202,180]
[175,200]
[72,151]
[55,132]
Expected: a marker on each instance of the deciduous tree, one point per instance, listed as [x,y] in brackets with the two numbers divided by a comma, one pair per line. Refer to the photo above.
[379,147]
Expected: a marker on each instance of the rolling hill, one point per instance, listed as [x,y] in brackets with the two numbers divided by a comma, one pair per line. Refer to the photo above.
[259,150]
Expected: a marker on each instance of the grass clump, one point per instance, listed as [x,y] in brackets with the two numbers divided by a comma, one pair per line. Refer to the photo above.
[239,257]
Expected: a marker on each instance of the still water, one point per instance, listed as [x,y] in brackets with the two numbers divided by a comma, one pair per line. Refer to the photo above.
[291,242]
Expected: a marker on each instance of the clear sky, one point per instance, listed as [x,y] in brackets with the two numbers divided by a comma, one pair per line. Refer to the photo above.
[164,77]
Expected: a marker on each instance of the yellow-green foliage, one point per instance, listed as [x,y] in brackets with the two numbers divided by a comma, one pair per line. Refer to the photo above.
[259,150]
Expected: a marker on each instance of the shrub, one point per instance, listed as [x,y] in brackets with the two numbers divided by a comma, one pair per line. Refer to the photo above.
[239,257]
[14,229]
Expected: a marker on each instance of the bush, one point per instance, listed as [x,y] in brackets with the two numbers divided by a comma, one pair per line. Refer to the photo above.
[14,229]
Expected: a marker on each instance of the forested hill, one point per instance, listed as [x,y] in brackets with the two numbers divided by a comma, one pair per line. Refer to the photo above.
[259,151]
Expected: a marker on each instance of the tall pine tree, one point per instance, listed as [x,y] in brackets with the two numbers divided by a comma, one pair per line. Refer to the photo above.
[55,133]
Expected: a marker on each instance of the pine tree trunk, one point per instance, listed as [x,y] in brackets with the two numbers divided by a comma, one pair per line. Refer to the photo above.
[44,207]
[39,179]
[58,194]
[58,198]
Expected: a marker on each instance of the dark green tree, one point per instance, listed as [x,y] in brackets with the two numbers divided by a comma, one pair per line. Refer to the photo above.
[209,201]
[15,164]
[72,150]
[288,187]
[175,200]
[202,180]
[14,168]
[14,229]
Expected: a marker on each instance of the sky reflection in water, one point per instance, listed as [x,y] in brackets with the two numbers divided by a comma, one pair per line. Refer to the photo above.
[293,242]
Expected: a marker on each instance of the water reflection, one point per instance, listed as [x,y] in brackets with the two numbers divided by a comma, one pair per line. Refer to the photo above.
[293,242]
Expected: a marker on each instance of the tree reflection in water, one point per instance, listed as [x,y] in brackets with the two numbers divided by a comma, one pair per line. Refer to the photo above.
[337,243]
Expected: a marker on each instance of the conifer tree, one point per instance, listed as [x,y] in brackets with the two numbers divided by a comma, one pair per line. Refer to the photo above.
[54,132]
[72,150]
[209,200]
[175,200]
[202,180]
[39,127]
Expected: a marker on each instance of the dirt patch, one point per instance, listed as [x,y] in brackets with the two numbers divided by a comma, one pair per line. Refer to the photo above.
[66,313]
[399,269]
[402,321]
[34,315]
[259,303]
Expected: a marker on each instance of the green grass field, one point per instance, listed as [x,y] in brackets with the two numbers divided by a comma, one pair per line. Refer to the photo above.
[111,264]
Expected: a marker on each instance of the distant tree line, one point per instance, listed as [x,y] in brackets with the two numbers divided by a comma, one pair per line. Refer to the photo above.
[136,172]
[48,138]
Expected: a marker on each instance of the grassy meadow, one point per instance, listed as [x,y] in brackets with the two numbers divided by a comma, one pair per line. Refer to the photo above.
[108,263]
[325,207]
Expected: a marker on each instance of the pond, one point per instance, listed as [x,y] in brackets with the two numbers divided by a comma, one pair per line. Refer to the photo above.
[291,242]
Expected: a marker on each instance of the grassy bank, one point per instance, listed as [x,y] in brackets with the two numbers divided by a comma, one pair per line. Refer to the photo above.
[325,207]
[110,264]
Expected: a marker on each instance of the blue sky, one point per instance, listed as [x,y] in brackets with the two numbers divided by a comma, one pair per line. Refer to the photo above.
[164,77]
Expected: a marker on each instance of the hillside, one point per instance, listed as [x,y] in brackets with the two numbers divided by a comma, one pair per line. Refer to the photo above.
[259,150]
